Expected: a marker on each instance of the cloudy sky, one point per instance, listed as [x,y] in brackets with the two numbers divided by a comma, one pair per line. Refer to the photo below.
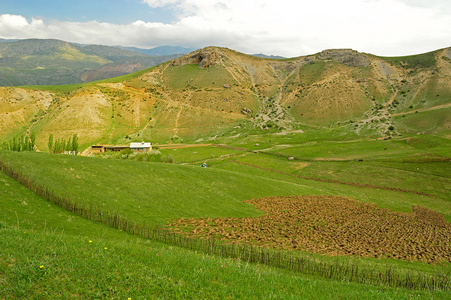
[277,27]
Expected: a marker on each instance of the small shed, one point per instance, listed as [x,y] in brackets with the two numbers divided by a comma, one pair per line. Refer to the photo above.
[141,147]
[96,149]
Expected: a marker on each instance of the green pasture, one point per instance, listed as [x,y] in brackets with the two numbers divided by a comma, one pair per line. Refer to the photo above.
[396,149]
[35,233]
[393,175]
[428,122]
[200,154]
[150,192]
[50,253]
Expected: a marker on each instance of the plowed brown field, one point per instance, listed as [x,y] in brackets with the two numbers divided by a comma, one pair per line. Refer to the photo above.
[334,226]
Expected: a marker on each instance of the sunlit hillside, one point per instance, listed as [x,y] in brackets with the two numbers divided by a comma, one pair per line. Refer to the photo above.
[216,92]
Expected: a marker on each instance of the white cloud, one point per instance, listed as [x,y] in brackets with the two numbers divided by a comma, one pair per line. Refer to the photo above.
[13,21]
[283,27]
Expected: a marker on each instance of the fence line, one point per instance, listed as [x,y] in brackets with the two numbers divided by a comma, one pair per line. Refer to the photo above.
[332,270]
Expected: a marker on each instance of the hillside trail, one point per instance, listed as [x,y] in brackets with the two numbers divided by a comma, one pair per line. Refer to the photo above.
[381,114]
[177,119]
[28,133]
[422,110]
[392,98]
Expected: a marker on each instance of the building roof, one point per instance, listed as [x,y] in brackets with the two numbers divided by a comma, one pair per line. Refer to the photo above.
[140,145]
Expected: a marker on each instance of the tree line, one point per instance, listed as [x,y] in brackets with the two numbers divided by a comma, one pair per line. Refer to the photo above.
[62,145]
[23,143]
[28,143]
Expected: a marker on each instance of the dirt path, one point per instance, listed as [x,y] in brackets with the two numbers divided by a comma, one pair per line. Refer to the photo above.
[392,98]
[137,113]
[177,118]
[422,110]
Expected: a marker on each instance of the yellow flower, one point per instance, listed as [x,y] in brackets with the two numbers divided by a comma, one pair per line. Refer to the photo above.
[90,241]
[41,267]
[105,248]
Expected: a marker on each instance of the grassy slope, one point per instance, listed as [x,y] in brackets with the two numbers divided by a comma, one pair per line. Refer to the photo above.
[151,192]
[34,233]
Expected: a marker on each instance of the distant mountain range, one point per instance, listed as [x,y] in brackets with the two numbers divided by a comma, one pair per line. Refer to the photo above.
[55,62]
[268,56]
[162,50]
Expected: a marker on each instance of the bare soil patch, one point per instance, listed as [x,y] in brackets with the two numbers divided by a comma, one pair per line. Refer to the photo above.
[332,225]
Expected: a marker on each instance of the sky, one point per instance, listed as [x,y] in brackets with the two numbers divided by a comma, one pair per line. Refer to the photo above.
[288,28]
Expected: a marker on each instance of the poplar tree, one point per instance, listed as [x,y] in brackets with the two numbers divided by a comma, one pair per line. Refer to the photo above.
[75,143]
[50,143]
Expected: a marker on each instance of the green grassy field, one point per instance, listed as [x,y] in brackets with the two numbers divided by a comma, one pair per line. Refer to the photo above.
[151,192]
[50,253]
[47,253]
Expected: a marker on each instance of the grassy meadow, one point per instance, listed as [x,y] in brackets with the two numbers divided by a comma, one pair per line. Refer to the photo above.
[48,252]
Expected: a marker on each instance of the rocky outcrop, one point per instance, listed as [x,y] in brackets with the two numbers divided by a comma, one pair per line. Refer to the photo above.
[448,52]
[347,57]
[204,58]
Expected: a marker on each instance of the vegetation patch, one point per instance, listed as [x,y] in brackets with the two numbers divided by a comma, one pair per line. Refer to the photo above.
[425,60]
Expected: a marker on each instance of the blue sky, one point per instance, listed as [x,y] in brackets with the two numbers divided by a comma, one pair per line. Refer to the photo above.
[278,27]
[111,11]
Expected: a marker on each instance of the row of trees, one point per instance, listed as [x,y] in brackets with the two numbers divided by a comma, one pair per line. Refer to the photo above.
[23,143]
[28,143]
[62,145]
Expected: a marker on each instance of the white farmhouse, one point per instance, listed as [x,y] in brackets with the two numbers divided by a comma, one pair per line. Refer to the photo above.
[141,147]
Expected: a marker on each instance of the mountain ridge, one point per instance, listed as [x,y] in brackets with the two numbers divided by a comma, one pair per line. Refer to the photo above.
[51,61]
[214,92]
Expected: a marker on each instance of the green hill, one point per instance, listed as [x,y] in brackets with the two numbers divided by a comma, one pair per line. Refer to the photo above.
[217,92]
[55,62]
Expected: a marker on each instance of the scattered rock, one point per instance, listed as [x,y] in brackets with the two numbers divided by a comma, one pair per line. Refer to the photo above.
[291,158]
[246,111]
[226,86]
